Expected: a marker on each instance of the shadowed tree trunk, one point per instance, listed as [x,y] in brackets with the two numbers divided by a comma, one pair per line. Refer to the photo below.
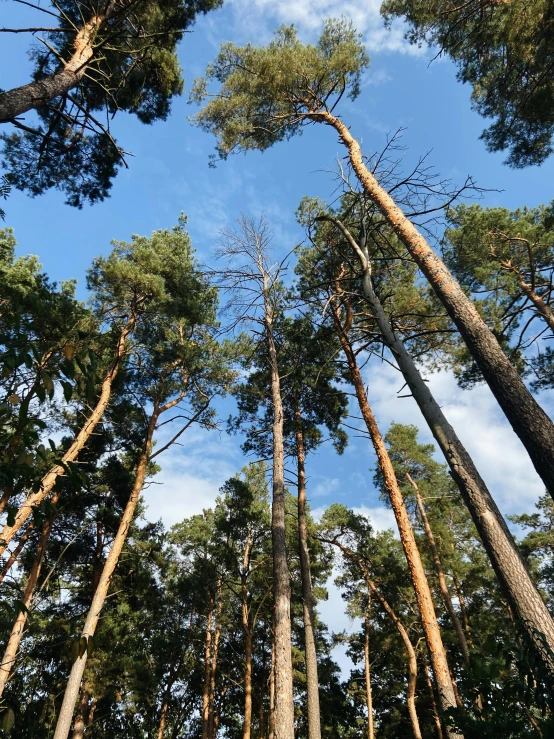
[529,421]
[17,551]
[488,520]
[312,681]
[15,102]
[284,706]
[426,607]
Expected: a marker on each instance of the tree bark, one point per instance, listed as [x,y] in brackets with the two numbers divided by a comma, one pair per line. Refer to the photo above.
[367,670]
[284,705]
[493,531]
[271,718]
[419,580]
[312,680]
[73,685]
[207,668]
[212,716]
[12,647]
[443,587]
[49,480]
[529,421]
[14,103]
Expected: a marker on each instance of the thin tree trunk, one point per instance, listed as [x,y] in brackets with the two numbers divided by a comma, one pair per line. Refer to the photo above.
[419,580]
[367,668]
[284,706]
[412,659]
[544,309]
[82,716]
[529,421]
[15,102]
[271,718]
[461,600]
[207,668]
[462,642]
[436,719]
[312,680]
[248,637]
[73,684]
[163,717]
[12,647]
[488,520]
[49,480]
[17,551]
[212,717]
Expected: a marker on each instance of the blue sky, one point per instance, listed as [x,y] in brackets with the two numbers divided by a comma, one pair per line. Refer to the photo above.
[169,173]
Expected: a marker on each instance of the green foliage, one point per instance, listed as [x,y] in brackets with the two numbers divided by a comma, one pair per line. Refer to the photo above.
[134,68]
[503,50]
[267,94]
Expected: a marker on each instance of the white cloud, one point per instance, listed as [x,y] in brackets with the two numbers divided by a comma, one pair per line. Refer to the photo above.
[259,17]
[475,415]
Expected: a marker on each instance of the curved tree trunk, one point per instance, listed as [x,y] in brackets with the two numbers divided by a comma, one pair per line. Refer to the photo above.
[312,680]
[12,647]
[20,100]
[495,535]
[49,480]
[284,706]
[74,683]
[419,580]
[529,421]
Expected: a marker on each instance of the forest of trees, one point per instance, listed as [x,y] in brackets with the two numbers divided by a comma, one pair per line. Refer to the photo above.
[114,626]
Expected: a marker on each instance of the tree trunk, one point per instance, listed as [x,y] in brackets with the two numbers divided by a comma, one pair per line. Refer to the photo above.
[284,706]
[17,551]
[82,716]
[212,717]
[12,647]
[419,580]
[436,718]
[544,309]
[248,637]
[207,668]
[488,520]
[412,659]
[14,103]
[462,642]
[529,421]
[49,480]
[312,680]
[271,719]
[461,600]
[367,668]
[73,684]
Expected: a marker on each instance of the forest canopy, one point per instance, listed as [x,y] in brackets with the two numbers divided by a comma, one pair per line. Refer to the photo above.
[283,469]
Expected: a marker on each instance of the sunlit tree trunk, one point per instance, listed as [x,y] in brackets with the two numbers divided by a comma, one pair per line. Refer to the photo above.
[443,587]
[495,535]
[529,421]
[367,670]
[12,559]
[12,647]
[207,667]
[49,480]
[417,573]
[93,616]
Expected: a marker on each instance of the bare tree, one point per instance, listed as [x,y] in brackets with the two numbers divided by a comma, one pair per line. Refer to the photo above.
[253,281]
